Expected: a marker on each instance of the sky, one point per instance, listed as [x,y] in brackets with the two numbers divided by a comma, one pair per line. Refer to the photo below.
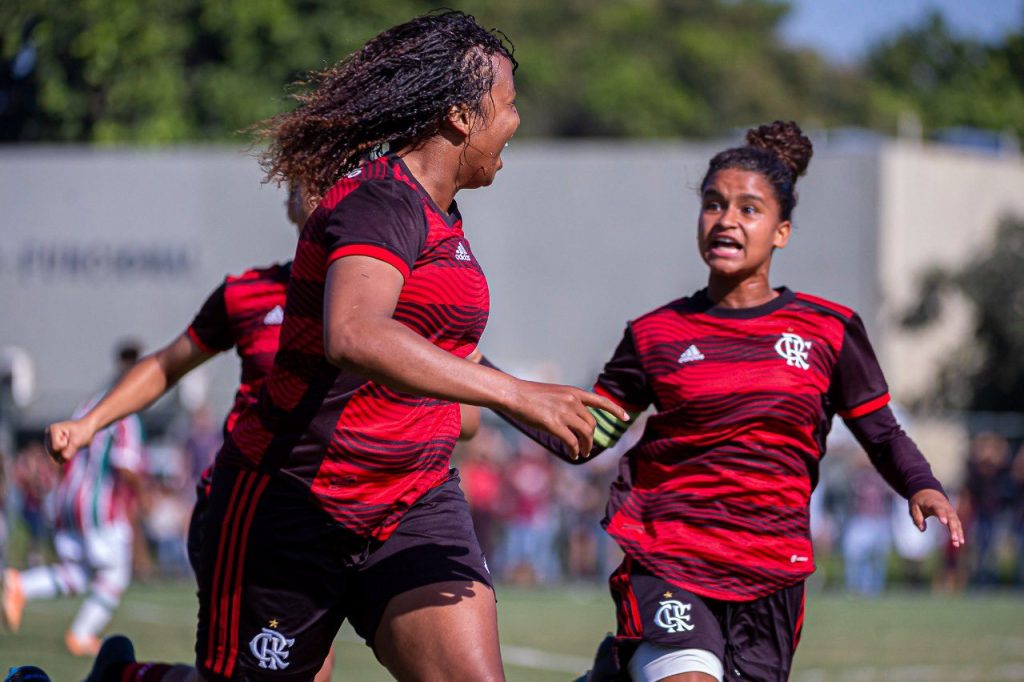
[843,30]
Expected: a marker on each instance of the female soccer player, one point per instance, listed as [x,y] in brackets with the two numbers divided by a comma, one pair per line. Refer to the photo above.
[332,498]
[711,506]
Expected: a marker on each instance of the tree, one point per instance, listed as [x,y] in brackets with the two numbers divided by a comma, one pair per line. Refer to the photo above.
[950,81]
[987,374]
[150,71]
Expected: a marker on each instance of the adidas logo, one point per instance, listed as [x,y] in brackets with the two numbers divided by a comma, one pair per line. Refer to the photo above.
[275,316]
[690,354]
[461,253]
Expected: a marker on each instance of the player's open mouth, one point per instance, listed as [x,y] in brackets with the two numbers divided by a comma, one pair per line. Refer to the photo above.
[724,246]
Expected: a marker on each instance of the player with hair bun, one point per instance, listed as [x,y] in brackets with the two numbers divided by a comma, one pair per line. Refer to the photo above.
[711,506]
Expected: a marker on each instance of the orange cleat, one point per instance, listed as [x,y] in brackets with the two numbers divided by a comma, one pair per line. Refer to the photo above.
[88,645]
[13,599]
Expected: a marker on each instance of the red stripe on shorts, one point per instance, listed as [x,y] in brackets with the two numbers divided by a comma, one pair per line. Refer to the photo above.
[799,629]
[219,616]
[236,599]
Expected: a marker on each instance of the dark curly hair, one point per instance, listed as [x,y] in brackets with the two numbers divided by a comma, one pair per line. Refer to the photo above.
[394,91]
[779,151]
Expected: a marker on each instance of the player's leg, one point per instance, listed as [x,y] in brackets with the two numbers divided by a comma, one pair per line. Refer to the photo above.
[442,631]
[664,632]
[67,577]
[108,552]
[272,575]
[762,635]
[438,621]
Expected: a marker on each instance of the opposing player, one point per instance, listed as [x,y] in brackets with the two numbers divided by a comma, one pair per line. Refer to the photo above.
[333,497]
[95,497]
[711,506]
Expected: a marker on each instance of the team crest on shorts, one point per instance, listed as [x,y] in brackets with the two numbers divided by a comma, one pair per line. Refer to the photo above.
[673,615]
[270,648]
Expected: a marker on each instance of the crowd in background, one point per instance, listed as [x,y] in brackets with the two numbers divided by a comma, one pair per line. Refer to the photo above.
[538,519]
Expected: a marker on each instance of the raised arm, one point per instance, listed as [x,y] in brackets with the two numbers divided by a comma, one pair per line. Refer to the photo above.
[147,380]
[361,336]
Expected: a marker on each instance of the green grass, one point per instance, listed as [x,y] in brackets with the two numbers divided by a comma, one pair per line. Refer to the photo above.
[900,637]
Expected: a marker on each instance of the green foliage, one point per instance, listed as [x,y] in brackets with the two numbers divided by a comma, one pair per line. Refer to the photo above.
[149,71]
[950,81]
[988,374]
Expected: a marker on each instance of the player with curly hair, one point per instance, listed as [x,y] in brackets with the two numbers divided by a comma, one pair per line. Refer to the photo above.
[333,497]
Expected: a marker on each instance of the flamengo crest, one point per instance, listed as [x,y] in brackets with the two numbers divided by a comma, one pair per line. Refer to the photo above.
[674,616]
[794,349]
[271,649]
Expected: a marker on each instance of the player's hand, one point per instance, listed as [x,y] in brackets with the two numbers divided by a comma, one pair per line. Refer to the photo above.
[562,412]
[63,439]
[929,502]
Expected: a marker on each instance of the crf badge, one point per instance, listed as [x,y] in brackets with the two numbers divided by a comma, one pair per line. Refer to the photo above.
[674,616]
[271,649]
[794,349]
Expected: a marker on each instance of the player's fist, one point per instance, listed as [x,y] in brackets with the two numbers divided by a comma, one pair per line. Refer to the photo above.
[63,439]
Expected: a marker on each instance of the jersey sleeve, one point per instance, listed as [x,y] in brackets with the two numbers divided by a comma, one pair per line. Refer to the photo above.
[858,386]
[211,329]
[623,379]
[126,444]
[382,220]
[624,382]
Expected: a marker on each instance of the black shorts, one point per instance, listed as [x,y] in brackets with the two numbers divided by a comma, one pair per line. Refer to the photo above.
[194,540]
[755,640]
[278,576]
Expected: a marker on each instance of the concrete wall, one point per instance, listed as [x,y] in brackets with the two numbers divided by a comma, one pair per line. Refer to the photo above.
[576,238]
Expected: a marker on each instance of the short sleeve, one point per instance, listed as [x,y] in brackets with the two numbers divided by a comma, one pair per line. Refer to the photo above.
[382,220]
[211,329]
[623,379]
[126,446]
[858,386]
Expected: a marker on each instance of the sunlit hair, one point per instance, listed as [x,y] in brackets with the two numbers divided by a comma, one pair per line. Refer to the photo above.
[394,91]
[779,151]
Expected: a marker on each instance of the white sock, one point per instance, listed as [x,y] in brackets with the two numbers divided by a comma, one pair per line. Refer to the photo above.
[92,617]
[47,582]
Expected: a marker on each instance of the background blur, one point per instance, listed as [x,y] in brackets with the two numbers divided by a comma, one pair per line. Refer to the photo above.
[127,192]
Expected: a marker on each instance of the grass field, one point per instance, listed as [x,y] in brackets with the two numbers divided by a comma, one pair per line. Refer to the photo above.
[550,635]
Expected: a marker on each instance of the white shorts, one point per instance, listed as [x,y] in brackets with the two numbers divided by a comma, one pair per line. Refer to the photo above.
[651,663]
[107,549]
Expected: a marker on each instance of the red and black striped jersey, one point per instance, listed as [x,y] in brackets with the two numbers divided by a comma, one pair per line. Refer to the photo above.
[714,497]
[367,452]
[245,313]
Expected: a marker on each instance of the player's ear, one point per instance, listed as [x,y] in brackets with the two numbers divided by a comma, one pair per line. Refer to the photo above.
[782,232]
[460,118]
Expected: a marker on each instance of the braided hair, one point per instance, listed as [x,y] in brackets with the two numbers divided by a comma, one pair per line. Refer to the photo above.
[394,91]
[779,151]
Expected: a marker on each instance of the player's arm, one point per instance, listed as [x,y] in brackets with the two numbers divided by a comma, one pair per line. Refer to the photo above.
[147,380]
[360,335]
[899,461]
[859,391]
[609,427]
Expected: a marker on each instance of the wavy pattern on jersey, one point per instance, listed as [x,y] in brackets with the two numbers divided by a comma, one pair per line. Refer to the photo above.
[366,452]
[714,497]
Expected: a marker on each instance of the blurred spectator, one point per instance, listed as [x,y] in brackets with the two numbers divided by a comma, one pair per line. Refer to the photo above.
[480,471]
[35,477]
[167,515]
[581,499]
[529,549]
[867,538]
[1017,514]
[203,441]
[986,489]
[913,548]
